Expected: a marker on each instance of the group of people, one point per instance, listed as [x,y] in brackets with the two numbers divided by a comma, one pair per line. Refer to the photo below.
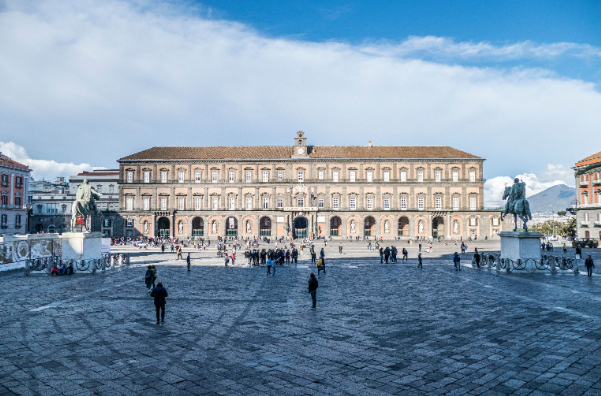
[63,269]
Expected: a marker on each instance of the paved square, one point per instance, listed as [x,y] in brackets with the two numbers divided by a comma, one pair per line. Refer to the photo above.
[378,330]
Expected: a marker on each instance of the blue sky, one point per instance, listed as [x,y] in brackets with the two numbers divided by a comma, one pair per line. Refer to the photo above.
[85,82]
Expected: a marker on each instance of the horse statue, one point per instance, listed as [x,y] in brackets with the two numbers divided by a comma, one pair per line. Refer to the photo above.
[84,205]
[517,204]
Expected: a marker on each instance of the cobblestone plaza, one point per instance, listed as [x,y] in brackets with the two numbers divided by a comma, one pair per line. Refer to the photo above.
[378,330]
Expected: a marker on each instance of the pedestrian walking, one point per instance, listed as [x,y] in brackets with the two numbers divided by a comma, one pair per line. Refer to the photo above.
[386,254]
[162,248]
[269,265]
[179,252]
[588,263]
[405,254]
[321,266]
[419,260]
[313,256]
[227,259]
[578,253]
[313,285]
[419,247]
[381,255]
[565,248]
[457,261]
[188,260]
[340,248]
[159,293]
[148,277]
[477,258]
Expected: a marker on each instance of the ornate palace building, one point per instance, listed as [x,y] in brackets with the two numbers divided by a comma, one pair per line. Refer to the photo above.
[588,196]
[304,190]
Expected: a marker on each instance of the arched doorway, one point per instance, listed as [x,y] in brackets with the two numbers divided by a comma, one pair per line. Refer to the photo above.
[335,224]
[437,227]
[163,227]
[39,228]
[198,227]
[300,227]
[51,229]
[403,226]
[231,225]
[587,234]
[265,226]
[370,222]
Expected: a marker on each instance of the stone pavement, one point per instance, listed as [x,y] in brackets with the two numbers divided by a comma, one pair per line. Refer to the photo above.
[378,330]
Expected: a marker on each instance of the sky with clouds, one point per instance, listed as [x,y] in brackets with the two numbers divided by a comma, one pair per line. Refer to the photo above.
[86,82]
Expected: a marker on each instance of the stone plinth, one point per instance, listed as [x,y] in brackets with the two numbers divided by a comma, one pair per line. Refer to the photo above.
[521,246]
[81,245]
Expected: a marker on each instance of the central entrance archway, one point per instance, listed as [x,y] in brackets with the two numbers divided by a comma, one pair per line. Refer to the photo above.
[300,227]
[437,227]
[335,224]
[198,227]
[231,225]
[369,226]
[265,226]
[163,227]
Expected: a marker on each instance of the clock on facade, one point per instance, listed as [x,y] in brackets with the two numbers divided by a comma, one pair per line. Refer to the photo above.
[300,150]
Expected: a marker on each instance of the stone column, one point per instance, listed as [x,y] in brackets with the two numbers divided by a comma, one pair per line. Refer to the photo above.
[447,227]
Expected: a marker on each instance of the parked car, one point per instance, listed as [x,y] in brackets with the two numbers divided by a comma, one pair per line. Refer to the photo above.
[585,242]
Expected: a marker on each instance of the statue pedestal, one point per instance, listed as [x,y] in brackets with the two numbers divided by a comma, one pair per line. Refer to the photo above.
[521,246]
[86,246]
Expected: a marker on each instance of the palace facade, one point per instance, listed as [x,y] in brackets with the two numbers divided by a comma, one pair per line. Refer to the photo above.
[305,190]
[588,196]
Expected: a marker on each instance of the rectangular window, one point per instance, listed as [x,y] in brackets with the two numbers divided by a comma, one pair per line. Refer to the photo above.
[353,203]
[146,176]
[197,176]
[130,176]
[403,203]
[403,175]
[181,176]
[473,221]
[352,176]
[249,176]
[164,176]
[249,203]
[232,176]
[335,203]
[146,203]
[370,203]
[386,203]
[163,203]
[181,203]
[300,176]
[420,175]
[18,220]
[473,201]
[455,175]
[232,202]
[369,176]
[438,175]
[18,201]
[472,175]
[386,175]
[320,175]
[438,203]
[321,202]
[455,203]
[280,202]
[111,189]
[280,175]
[335,176]
[265,176]
[300,202]
[586,217]
[421,203]
[214,203]
[495,221]
[129,203]
[130,222]
[214,176]
[265,202]
[197,203]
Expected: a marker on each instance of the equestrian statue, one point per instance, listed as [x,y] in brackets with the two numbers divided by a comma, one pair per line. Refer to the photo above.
[85,205]
[517,204]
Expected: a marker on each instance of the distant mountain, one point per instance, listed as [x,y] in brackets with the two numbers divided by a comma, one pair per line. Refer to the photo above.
[553,199]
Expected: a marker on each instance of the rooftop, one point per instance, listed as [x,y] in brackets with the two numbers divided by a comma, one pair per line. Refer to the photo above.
[591,159]
[6,161]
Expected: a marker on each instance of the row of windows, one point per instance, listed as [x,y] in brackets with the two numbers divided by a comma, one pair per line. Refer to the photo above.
[587,217]
[99,188]
[585,176]
[300,202]
[300,176]
[585,198]
[4,220]
[6,180]
[18,201]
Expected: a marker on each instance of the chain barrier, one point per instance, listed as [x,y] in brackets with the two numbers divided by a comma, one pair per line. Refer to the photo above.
[547,262]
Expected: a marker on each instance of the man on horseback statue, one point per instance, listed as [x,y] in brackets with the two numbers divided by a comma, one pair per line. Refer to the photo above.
[84,205]
[517,204]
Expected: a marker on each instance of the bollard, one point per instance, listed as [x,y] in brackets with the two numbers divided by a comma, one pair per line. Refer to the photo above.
[112,261]
[553,266]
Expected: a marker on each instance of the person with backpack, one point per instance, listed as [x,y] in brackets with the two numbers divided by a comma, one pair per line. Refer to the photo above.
[321,266]
[313,285]
[457,261]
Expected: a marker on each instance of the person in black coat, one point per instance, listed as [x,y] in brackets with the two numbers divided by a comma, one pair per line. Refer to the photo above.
[588,263]
[313,285]
[159,293]
[149,277]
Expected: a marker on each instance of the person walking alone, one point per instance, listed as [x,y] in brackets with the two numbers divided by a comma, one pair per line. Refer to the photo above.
[405,255]
[477,258]
[159,293]
[269,265]
[179,252]
[588,263]
[419,260]
[148,277]
[340,248]
[457,261]
[313,285]
[188,261]
[313,256]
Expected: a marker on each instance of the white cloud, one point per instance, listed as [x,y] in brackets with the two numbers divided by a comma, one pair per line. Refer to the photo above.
[41,169]
[90,81]
[552,176]
[444,47]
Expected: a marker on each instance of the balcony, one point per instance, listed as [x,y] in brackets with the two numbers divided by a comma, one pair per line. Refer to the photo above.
[583,183]
[584,224]
[597,182]
[597,223]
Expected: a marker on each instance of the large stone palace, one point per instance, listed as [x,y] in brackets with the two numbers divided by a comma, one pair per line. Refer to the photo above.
[588,196]
[305,190]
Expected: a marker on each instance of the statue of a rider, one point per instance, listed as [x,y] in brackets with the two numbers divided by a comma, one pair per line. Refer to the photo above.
[517,204]
[85,204]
